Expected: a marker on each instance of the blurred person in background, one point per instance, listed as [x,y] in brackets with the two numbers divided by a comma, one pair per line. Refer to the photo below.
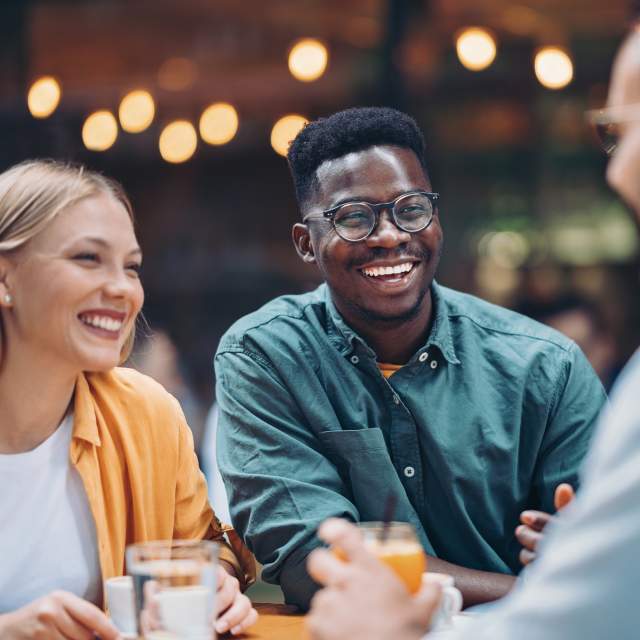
[93,457]
[156,356]
[584,584]
[381,380]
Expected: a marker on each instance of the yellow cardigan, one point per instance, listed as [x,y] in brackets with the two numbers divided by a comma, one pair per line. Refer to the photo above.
[134,452]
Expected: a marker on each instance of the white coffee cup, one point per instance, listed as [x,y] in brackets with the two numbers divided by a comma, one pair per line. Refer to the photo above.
[187,611]
[120,603]
[451,602]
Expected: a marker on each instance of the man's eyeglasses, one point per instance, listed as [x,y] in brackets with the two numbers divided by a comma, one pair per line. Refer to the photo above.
[355,221]
[607,124]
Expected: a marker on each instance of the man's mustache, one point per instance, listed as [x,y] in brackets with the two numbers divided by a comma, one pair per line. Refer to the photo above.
[400,253]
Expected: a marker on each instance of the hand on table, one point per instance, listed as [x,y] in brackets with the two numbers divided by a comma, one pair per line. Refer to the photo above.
[234,610]
[531,531]
[57,616]
[362,598]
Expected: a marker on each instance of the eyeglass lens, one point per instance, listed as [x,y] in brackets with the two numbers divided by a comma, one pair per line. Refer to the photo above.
[607,134]
[356,220]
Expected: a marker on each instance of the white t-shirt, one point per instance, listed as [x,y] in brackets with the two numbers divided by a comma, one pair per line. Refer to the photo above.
[47,532]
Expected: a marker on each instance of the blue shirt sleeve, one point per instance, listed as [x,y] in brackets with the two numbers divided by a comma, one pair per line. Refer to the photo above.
[280,483]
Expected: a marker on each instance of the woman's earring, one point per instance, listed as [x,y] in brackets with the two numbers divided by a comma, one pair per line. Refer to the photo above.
[7,298]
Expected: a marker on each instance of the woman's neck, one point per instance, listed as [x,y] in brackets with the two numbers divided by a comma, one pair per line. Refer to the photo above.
[34,398]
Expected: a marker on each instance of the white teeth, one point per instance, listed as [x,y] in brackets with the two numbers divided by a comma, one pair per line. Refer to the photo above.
[374,272]
[102,322]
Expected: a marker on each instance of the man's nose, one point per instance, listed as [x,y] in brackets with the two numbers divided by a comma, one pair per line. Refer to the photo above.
[387,234]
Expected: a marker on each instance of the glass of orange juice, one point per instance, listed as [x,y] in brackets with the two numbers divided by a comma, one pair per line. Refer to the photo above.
[400,550]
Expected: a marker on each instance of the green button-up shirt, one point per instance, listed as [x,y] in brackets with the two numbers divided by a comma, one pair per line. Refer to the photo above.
[483,421]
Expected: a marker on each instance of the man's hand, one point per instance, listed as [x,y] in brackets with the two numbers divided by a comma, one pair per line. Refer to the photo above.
[57,616]
[531,531]
[234,609]
[362,598]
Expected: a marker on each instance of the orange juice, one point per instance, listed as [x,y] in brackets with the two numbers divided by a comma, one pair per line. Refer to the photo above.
[406,559]
[401,552]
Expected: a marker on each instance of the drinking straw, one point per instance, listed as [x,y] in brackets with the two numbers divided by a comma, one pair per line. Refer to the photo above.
[389,511]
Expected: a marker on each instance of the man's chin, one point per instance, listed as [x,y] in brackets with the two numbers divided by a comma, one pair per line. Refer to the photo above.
[393,314]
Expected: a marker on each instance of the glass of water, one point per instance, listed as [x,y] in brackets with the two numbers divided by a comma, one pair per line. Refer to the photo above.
[174,584]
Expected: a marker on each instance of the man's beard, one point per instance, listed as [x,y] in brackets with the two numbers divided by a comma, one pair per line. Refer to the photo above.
[392,318]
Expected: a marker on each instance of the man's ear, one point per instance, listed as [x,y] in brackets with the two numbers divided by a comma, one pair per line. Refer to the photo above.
[302,242]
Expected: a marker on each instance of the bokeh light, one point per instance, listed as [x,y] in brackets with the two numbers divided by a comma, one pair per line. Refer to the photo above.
[476,48]
[137,111]
[178,141]
[308,60]
[100,131]
[43,97]
[218,123]
[284,131]
[553,68]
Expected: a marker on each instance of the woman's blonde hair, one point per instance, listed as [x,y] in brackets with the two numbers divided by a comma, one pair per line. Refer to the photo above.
[34,192]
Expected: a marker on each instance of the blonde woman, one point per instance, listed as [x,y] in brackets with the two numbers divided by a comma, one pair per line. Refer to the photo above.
[92,457]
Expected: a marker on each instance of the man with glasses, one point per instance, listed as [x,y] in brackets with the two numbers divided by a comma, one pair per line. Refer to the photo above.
[383,383]
[584,584]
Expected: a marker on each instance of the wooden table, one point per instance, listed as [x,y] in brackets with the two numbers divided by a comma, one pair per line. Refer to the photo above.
[278,622]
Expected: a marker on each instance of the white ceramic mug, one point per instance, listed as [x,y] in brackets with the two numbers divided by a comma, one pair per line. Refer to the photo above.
[451,603]
[188,611]
[120,603]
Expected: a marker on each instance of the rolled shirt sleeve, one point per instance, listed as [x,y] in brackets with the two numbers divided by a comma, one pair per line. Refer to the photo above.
[281,485]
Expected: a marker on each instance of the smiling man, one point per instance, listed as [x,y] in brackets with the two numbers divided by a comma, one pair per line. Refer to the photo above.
[383,382]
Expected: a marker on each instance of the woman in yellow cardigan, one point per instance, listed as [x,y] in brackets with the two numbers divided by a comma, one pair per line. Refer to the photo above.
[92,457]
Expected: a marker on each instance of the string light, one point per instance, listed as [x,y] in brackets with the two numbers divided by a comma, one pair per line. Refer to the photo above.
[284,131]
[553,67]
[476,48]
[100,131]
[43,97]
[218,123]
[308,60]
[136,111]
[178,141]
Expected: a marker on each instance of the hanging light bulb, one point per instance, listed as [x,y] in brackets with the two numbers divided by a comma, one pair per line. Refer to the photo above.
[178,141]
[100,131]
[308,60]
[553,67]
[43,97]
[284,131]
[476,48]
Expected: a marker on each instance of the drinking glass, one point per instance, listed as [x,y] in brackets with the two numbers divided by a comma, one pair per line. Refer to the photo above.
[174,583]
[398,548]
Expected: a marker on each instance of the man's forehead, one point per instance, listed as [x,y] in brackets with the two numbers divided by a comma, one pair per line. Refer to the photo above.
[383,162]
[625,79]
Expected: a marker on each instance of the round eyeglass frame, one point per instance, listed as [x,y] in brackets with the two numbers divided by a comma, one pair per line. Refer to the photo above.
[377,208]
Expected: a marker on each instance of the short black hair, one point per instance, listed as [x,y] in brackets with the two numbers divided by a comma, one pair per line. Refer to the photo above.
[345,132]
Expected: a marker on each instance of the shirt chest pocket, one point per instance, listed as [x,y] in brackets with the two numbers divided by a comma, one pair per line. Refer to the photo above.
[363,460]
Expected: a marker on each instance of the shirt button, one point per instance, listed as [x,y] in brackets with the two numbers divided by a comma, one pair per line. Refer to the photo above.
[409,472]
[354,359]
[434,364]
[423,356]
[396,399]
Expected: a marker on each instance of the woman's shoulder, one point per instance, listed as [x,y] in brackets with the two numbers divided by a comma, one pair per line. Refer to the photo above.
[135,393]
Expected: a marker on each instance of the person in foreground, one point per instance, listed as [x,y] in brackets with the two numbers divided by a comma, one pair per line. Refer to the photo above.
[584,583]
[92,457]
[381,380]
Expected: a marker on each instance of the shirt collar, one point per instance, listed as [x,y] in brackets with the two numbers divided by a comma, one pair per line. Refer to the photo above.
[85,423]
[345,339]
[440,334]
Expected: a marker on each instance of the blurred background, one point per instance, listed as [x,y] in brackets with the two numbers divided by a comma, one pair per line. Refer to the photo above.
[191,104]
